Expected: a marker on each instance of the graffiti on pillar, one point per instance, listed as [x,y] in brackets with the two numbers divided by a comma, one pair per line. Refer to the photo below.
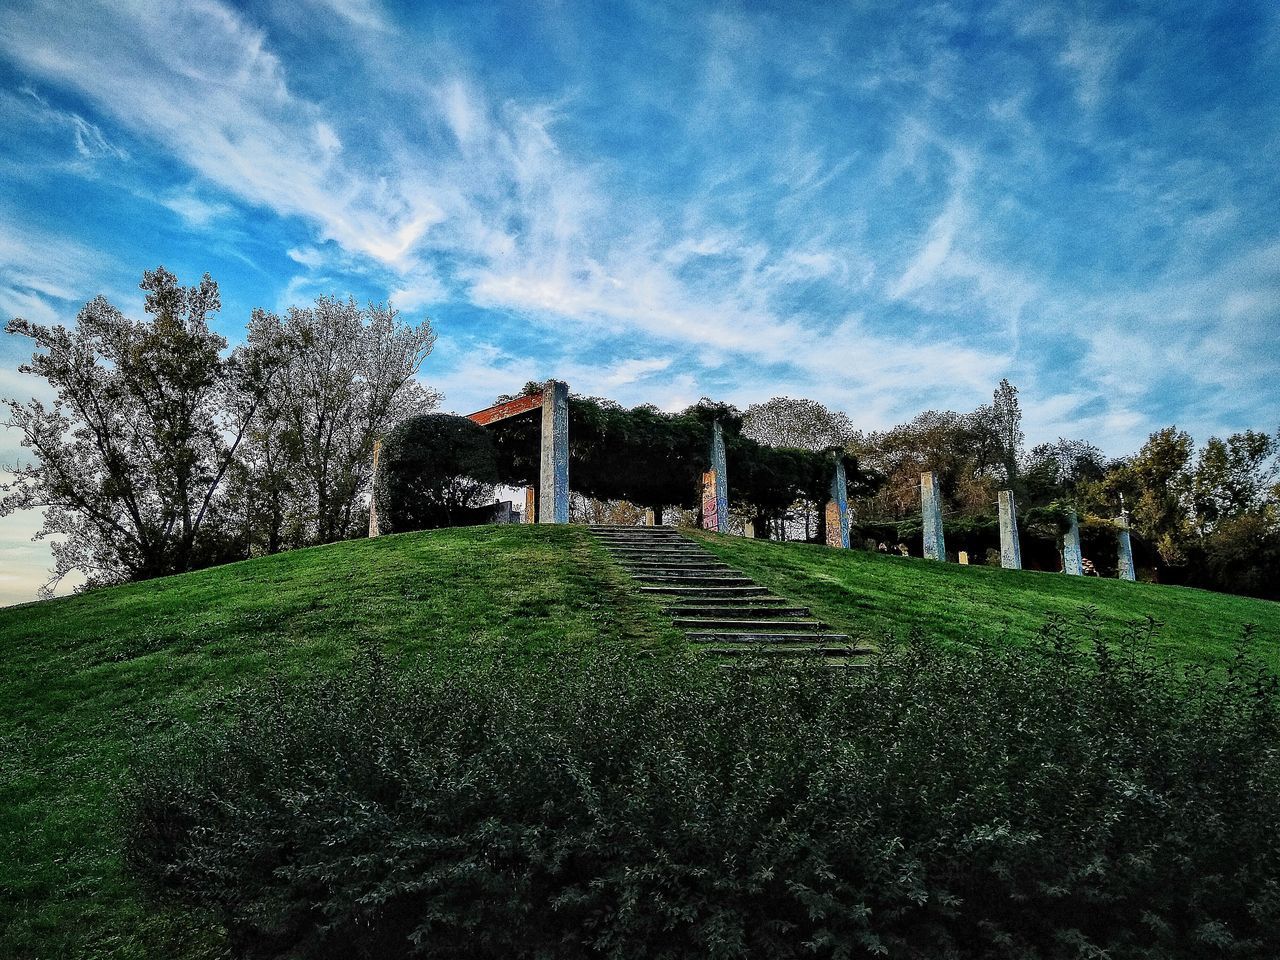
[710,513]
[837,513]
[835,534]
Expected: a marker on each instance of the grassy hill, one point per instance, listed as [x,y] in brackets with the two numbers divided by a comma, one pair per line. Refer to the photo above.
[84,679]
[871,595]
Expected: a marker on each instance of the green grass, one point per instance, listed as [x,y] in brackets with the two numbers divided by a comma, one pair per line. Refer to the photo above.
[85,682]
[83,679]
[872,595]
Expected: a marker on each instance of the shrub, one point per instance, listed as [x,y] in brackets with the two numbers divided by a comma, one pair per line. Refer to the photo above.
[1001,802]
[432,469]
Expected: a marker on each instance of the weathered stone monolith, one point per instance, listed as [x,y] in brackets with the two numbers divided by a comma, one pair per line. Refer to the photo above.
[838,509]
[530,505]
[1010,549]
[553,487]
[1072,559]
[715,496]
[963,557]
[648,517]
[374,529]
[1124,550]
[935,547]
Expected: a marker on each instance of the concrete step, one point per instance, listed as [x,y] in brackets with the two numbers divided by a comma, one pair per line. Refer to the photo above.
[808,627]
[640,533]
[738,610]
[764,598]
[765,636]
[632,528]
[816,650]
[693,579]
[660,566]
[658,549]
[703,592]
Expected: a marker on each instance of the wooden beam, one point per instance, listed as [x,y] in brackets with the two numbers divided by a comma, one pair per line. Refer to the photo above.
[501,411]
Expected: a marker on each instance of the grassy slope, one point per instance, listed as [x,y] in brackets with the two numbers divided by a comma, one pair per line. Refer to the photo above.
[82,678]
[871,595]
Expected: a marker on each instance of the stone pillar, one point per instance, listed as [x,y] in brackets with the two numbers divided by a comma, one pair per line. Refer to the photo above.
[1072,560]
[648,517]
[530,505]
[553,486]
[374,529]
[715,486]
[1010,549]
[749,529]
[1125,550]
[935,547]
[838,509]
[963,557]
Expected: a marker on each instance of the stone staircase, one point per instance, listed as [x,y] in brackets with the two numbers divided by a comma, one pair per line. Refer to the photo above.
[719,609]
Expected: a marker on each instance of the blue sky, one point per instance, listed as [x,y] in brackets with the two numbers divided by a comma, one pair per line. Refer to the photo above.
[883,208]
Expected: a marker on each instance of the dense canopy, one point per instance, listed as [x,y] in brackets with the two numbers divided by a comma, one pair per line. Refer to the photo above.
[656,459]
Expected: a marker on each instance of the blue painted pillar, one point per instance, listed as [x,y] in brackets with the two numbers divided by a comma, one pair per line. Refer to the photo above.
[935,547]
[1010,548]
[715,494]
[553,487]
[1072,559]
[1125,550]
[838,509]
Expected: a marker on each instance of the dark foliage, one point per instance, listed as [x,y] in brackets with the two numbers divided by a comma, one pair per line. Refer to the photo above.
[657,459]
[999,802]
[433,469]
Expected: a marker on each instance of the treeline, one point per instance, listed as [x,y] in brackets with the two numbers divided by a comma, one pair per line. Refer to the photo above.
[1206,516]
[164,452]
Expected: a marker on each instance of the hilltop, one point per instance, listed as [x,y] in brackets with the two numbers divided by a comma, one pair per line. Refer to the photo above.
[87,681]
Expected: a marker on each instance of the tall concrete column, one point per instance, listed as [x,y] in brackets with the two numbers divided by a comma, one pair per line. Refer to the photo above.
[1124,548]
[1072,559]
[374,527]
[935,547]
[838,509]
[1010,548]
[715,482]
[553,486]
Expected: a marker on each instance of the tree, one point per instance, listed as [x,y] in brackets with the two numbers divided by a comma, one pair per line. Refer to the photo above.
[432,468]
[351,381]
[148,418]
[787,422]
[1156,485]
[1234,477]
[1002,421]
[1059,470]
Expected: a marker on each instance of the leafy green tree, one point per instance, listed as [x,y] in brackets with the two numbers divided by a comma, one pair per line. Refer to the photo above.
[788,422]
[432,468]
[352,379]
[1156,484]
[1061,471]
[1234,477]
[129,461]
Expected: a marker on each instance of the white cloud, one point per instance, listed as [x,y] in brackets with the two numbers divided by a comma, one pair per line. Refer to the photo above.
[195,209]
[199,79]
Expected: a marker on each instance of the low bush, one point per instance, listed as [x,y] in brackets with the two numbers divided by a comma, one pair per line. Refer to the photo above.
[1071,799]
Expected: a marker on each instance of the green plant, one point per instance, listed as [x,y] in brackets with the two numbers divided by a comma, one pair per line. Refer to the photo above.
[434,467]
[1007,802]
